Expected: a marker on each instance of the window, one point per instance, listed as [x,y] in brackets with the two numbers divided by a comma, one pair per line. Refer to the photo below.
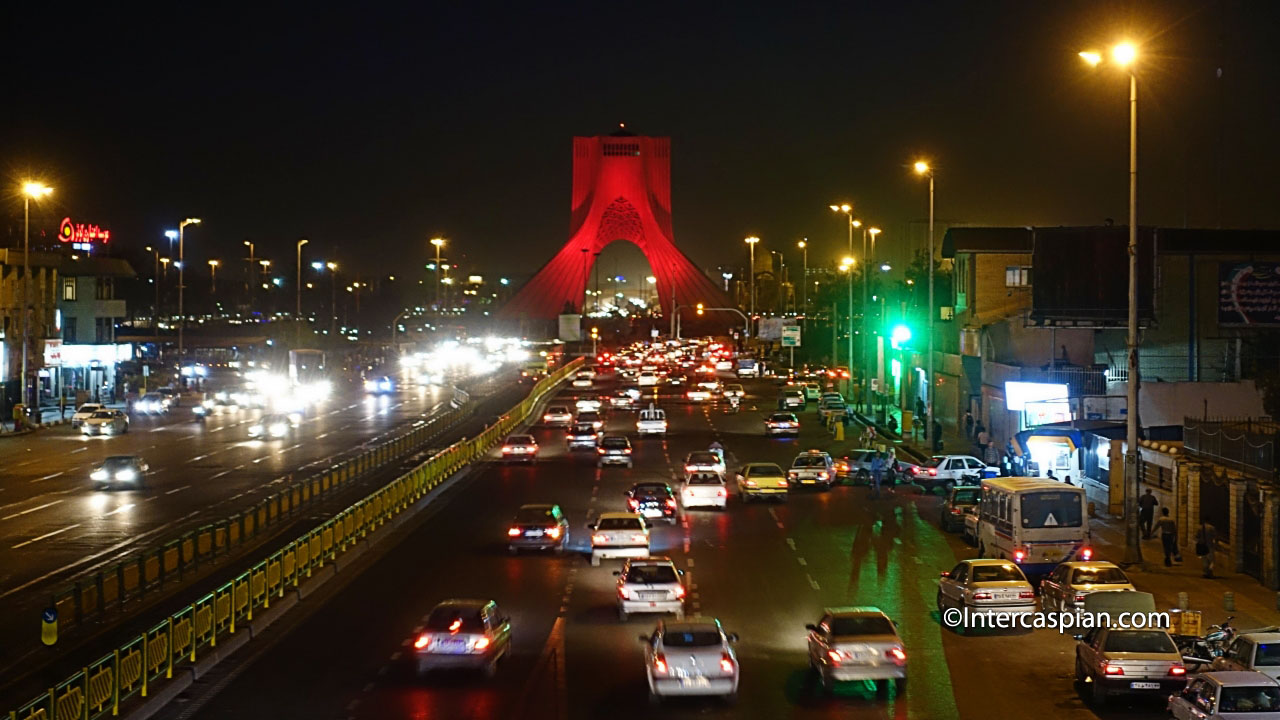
[1017,276]
[69,289]
[1052,509]
[69,329]
[104,289]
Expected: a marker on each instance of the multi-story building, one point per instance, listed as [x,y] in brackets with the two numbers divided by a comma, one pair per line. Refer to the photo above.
[43,317]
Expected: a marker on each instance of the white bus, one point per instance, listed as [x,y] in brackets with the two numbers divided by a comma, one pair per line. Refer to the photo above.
[1036,523]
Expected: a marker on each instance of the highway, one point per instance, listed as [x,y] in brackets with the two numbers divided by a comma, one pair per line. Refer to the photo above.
[765,570]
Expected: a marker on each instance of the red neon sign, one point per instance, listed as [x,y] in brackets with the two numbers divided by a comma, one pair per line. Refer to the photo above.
[70,232]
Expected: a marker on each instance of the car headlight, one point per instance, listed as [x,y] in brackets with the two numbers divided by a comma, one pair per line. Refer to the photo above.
[127,475]
[255,429]
[370,386]
[98,475]
[279,429]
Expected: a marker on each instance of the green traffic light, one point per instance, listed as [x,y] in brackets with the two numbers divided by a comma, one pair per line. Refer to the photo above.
[900,336]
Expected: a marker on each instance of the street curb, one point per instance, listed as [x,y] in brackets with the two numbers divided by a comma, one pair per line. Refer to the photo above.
[279,607]
[226,649]
[155,703]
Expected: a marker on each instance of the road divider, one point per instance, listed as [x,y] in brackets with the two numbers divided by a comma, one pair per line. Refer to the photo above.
[145,665]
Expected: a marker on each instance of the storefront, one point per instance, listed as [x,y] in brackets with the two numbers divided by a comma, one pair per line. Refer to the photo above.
[83,373]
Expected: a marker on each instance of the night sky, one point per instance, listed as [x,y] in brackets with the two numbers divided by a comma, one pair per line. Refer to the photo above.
[370,130]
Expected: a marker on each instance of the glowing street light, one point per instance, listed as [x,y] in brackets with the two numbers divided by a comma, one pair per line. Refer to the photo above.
[804,282]
[439,243]
[182,318]
[30,191]
[751,242]
[922,168]
[213,276]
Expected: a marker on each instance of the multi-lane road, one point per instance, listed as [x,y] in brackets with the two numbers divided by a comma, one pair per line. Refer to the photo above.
[764,570]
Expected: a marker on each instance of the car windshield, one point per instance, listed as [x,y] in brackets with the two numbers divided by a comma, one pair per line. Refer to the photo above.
[1099,576]
[862,625]
[520,440]
[810,461]
[1052,509]
[1140,641]
[782,417]
[588,417]
[995,573]
[584,429]
[650,490]
[965,496]
[559,410]
[152,396]
[704,479]
[1254,699]
[455,619]
[1268,655]
[616,443]
[703,458]
[102,414]
[89,408]
[533,516]
[650,574]
[619,524]
[691,638]
[765,470]
[934,461]
[117,462]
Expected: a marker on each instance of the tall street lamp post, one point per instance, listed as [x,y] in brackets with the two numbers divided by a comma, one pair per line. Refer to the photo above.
[922,168]
[804,276]
[438,242]
[751,243]
[213,277]
[30,191]
[868,254]
[846,266]
[182,318]
[155,313]
[847,210]
[333,298]
[297,305]
[1124,55]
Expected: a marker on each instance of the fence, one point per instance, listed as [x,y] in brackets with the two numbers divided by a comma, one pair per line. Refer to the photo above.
[1246,444]
[150,658]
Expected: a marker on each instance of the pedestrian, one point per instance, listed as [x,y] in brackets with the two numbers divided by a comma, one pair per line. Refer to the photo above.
[1051,476]
[1206,539]
[877,474]
[1168,537]
[1067,479]
[1147,513]
[937,436]
[62,406]
[968,425]
[980,435]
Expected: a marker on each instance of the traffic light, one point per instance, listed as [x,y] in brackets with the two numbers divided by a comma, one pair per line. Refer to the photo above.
[595,333]
[699,308]
[900,336]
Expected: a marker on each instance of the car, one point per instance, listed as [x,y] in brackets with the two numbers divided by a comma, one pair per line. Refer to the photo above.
[652,500]
[152,403]
[618,535]
[690,657]
[813,467]
[467,634]
[379,385]
[614,450]
[172,394]
[761,480]
[583,380]
[722,365]
[832,409]
[791,400]
[1258,651]
[272,427]
[1126,660]
[970,532]
[634,392]
[647,378]
[812,391]
[948,471]
[677,380]
[105,422]
[733,390]
[986,584]
[782,423]
[583,435]
[856,466]
[711,385]
[1226,694]
[652,421]
[587,372]
[698,394]
[84,412]
[120,470]
[520,448]
[587,403]
[538,527]
[747,367]
[590,416]
[857,643]
[621,400]
[557,416]
[959,501]
[650,585]
[704,461]
[1065,588]
[704,489]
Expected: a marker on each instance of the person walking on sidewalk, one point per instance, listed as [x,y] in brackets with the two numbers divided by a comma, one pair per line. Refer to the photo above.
[877,474]
[1206,539]
[1147,513]
[1168,537]
[937,436]
[968,424]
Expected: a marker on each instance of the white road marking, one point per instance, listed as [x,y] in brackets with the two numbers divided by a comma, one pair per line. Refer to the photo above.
[224,472]
[31,510]
[791,543]
[46,535]
[812,583]
[122,508]
[802,562]
[176,490]
[322,436]
[48,477]
[77,450]
[198,458]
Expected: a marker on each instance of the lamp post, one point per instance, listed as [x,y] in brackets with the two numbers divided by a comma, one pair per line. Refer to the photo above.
[297,306]
[751,243]
[213,277]
[155,313]
[846,266]
[182,318]
[438,242]
[847,209]
[333,297]
[30,191]
[922,168]
[1124,55]
[804,281]
[868,253]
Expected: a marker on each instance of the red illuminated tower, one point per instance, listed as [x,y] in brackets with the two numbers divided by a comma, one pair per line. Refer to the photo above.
[621,191]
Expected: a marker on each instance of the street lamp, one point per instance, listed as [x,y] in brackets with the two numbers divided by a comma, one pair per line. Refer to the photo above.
[751,242]
[847,209]
[653,281]
[922,168]
[804,281]
[213,276]
[297,308]
[155,313]
[182,318]
[333,297]
[439,243]
[1125,55]
[30,191]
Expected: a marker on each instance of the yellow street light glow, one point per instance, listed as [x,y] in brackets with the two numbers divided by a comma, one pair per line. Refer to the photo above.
[191,221]
[214,263]
[752,240]
[857,223]
[264,263]
[1091,57]
[847,261]
[835,208]
[437,241]
[332,265]
[802,244]
[874,232]
[921,167]
[1124,54]
[35,190]
[651,280]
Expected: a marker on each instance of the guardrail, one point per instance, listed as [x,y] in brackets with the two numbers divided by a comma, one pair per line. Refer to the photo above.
[150,658]
[90,597]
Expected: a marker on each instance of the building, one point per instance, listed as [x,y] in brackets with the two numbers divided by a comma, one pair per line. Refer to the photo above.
[83,362]
[42,300]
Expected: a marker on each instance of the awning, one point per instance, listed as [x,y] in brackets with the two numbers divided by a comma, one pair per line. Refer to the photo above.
[1047,435]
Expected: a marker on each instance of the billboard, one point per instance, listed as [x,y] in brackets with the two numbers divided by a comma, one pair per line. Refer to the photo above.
[770,328]
[1018,394]
[790,336]
[1082,276]
[570,328]
[1249,294]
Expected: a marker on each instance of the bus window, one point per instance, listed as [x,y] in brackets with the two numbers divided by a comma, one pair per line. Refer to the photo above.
[1051,509]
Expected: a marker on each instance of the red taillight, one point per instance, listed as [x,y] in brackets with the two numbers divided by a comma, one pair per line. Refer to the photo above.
[956,511]
[1086,554]
[896,654]
[1177,670]
[553,533]
[626,451]
[726,663]
[640,538]
[599,538]
[660,664]
[721,492]
[622,593]
[633,503]
[422,641]
[456,625]
[1019,556]
[933,471]
[822,476]
[834,656]
[1026,595]
[506,448]
[1110,669]
[480,643]
[690,468]
[671,502]
[1079,597]
[600,450]
[982,596]
[680,591]
[513,532]
[546,418]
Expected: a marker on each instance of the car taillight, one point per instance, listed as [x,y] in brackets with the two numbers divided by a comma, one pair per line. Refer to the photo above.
[1110,669]
[896,654]
[626,451]
[639,538]
[513,532]
[660,663]
[599,538]
[1079,597]
[721,492]
[680,591]
[956,511]
[690,468]
[751,483]
[600,450]
[633,503]
[822,475]
[835,656]
[506,448]
[1086,554]
[546,418]
[726,663]
[982,596]
[553,533]
[1178,670]
[792,475]
[933,471]
[422,641]
[671,502]
[1026,595]
[480,643]
[1019,555]
[622,593]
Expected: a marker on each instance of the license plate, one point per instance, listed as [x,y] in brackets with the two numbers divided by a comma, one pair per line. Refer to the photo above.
[698,681]
[1144,686]
[533,533]
[1053,555]
[653,596]
[652,512]
[451,646]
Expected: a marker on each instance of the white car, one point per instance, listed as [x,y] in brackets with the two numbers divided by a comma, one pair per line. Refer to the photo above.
[704,488]
[812,391]
[856,643]
[1066,587]
[814,467]
[557,416]
[647,378]
[105,422]
[587,403]
[1226,695]
[724,365]
[152,404]
[652,421]
[582,380]
[650,585]
[733,390]
[948,471]
[698,394]
[986,584]
[618,535]
[690,658]
[704,461]
[84,412]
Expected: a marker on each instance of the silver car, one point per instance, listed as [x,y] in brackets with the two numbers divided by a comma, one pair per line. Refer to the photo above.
[1066,587]
[1227,695]
[105,422]
[1128,661]
[691,657]
[986,585]
[857,643]
[650,585]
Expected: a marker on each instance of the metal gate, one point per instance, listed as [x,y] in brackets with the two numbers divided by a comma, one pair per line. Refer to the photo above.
[1215,503]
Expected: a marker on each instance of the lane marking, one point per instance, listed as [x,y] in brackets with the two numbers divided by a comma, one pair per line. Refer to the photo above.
[122,508]
[176,490]
[24,512]
[802,562]
[44,536]
[812,583]
[78,450]
[224,472]
[791,543]
[48,477]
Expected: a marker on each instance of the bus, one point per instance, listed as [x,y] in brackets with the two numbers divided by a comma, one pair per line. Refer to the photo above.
[1033,522]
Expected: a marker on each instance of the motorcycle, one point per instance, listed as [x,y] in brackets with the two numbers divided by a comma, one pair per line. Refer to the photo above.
[199,413]
[734,402]
[1212,645]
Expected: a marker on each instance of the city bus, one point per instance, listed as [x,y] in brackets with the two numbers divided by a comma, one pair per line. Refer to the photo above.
[1036,523]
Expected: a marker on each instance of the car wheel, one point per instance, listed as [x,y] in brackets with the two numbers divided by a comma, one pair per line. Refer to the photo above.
[900,685]
[942,605]
[491,669]
[863,476]
[1080,674]
[595,560]
[622,615]
[1099,694]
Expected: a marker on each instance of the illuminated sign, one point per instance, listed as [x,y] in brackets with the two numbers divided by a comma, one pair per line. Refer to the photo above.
[1018,394]
[82,236]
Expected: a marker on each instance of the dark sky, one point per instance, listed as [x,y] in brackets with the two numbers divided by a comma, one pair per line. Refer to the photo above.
[369,130]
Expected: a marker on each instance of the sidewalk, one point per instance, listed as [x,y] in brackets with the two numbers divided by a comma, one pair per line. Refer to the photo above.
[49,416]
